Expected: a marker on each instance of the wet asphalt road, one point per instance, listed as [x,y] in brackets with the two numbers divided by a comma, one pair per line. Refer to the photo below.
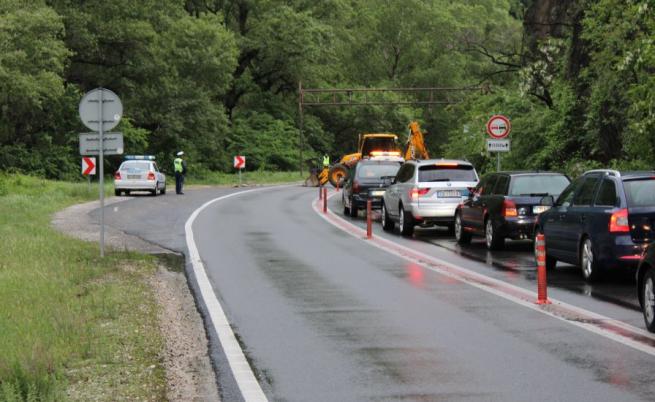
[323,316]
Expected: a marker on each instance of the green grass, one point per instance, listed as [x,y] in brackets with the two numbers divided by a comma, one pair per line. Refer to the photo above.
[248,178]
[72,326]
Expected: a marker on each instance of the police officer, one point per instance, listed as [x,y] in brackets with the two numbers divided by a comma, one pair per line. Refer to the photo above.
[180,172]
[326,161]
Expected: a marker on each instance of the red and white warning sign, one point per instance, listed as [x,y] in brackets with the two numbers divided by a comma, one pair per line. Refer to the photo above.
[88,166]
[239,162]
[498,127]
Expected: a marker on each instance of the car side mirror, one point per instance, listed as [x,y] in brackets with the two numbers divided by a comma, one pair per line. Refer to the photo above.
[548,201]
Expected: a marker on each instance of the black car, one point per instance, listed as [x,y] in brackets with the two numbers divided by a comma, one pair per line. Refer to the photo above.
[604,219]
[368,179]
[646,286]
[506,205]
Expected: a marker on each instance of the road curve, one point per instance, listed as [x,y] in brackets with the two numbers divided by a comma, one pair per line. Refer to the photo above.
[323,316]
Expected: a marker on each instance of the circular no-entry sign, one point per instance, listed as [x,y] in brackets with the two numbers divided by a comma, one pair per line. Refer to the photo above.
[498,127]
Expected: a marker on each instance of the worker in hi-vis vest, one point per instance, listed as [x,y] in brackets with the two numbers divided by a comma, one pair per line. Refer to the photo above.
[180,171]
[326,161]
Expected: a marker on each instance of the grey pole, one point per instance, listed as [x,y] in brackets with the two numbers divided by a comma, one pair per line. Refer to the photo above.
[498,161]
[102,175]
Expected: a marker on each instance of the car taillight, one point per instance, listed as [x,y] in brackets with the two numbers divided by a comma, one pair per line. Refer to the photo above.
[355,186]
[151,176]
[117,176]
[619,221]
[416,192]
[509,208]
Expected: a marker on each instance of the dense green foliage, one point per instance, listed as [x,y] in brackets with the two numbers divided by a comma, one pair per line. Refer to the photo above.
[220,77]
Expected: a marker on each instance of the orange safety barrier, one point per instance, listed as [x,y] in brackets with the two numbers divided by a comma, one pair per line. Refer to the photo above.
[369,219]
[325,200]
[542,287]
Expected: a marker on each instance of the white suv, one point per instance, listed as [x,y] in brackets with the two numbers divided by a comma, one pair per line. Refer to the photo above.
[427,192]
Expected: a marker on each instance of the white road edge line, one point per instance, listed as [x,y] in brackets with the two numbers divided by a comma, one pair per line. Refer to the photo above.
[624,340]
[243,374]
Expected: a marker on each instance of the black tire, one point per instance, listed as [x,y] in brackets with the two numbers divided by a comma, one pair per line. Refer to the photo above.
[154,192]
[591,270]
[550,261]
[647,293]
[387,223]
[406,222]
[491,237]
[117,193]
[127,192]
[450,229]
[462,236]
[346,210]
[163,190]
[337,172]
[353,209]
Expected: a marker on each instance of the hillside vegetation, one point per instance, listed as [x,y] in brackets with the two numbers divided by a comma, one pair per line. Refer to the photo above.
[220,77]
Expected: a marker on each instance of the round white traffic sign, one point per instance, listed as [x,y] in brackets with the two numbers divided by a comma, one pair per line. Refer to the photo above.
[498,127]
[112,109]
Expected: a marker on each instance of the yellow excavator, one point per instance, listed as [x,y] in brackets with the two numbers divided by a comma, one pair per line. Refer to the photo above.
[375,145]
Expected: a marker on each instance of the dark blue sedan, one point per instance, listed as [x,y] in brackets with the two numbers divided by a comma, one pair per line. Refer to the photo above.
[603,220]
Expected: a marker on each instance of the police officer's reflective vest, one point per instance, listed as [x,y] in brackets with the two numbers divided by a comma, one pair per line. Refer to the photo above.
[178,165]
[326,160]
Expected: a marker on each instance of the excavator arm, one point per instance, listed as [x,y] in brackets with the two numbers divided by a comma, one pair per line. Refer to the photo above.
[415,145]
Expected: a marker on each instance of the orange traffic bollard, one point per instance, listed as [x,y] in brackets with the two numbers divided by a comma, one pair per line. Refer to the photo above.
[369,219]
[324,200]
[542,288]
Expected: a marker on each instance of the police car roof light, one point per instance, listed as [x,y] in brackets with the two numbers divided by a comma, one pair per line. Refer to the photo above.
[140,157]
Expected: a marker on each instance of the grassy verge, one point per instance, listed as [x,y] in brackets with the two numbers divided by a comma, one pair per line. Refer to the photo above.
[248,178]
[72,326]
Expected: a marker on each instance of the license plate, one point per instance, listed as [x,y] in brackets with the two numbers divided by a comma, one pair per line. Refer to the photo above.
[377,193]
[449,194]
[537,209]
[133,176]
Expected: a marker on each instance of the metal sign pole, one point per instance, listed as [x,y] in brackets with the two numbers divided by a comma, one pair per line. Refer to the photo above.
[498,161]
[239,177]
[102,174]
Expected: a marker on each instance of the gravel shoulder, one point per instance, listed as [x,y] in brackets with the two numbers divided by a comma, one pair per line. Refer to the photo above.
[189,372]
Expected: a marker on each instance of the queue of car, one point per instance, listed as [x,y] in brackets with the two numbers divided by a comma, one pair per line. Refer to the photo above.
[602,220]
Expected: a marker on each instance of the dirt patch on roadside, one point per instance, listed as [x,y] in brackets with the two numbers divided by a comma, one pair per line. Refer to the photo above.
[189,373]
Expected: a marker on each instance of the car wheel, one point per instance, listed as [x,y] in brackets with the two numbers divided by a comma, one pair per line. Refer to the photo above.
[387,223]
[492,239]
[127,192]
[648,297]
[461,236]
[406,223]
[154,192]
[117,193]
[450,229]
[163,190]
[550,261]
[346,210]
[588,263]
[353,209]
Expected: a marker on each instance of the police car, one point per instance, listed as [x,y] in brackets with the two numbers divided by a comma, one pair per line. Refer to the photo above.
[139,173]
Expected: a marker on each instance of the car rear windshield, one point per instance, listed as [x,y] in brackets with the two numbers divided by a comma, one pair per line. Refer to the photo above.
[135,167]
[640,193]
[454,172]
[377,171]
[535,185]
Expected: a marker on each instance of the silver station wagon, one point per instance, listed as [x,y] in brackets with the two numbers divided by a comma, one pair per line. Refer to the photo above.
[427,192]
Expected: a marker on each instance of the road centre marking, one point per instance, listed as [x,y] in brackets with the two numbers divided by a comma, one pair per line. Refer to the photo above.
[243,374]
[610,328]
